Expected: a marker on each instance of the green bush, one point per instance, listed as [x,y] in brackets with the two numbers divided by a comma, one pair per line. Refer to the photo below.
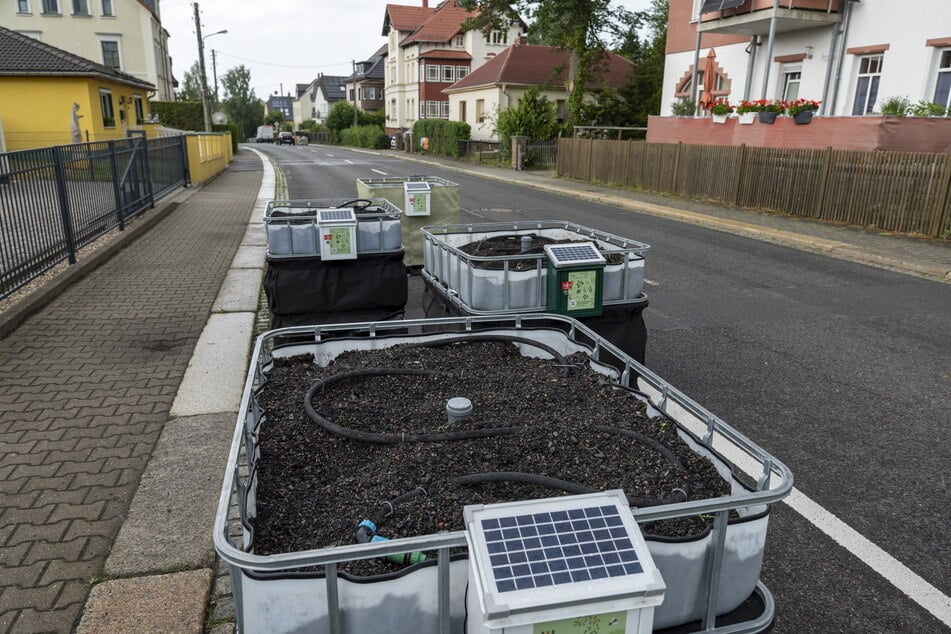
[683,108]
[443,135]
[181,115]
[898,106]
[366,136]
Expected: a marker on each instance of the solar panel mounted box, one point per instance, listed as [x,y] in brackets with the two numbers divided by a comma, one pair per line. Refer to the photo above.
[337,229]
[575,279]
[292,229]
[544,565]
[416,196]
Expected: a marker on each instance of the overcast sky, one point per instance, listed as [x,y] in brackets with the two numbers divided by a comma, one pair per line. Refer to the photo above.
[286,42]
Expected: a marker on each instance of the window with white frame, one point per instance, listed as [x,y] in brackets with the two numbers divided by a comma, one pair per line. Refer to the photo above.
[449,74]
[499,37]
[480,110]
[459,41]
[105,104]
[792,75]
[110,54]
[51,7]
[432,109]
[139,108]
[942,86]
[80,7]
[461,71]
[462,111]
[444,109]
[866,84]
[432,72]
[108,11]
[695,14]
[23,6]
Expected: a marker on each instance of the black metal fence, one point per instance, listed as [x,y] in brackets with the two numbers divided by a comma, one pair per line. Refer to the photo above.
[56,200]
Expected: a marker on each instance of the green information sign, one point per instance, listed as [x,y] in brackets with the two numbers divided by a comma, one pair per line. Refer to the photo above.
[613,623]
[340,241]
[582,290]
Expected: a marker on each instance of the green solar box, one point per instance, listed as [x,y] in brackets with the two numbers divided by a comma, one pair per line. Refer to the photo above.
[575,279]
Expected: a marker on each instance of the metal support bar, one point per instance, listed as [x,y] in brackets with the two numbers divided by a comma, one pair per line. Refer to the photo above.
[445,613]
[769,51]
[59,169]
[713,570]
[116,185]
[333,598]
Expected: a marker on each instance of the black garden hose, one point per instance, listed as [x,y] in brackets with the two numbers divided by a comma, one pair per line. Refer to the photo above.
[657,446]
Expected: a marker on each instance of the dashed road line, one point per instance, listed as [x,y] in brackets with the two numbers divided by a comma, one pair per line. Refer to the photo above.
[378,172]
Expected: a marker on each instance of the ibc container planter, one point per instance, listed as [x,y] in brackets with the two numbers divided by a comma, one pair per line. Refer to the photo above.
[293,230]
[503,290]
[272,594]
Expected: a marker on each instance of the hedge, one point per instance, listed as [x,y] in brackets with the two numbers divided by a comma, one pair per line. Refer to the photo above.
[366,136]
[181,115]
[443,135]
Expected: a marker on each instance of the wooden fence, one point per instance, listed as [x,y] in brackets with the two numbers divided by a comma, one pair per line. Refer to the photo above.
[892,191]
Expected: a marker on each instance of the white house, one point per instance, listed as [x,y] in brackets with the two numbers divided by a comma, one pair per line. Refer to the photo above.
[501,82]
[850,55]
[427,51]
[125,35]
[314,102]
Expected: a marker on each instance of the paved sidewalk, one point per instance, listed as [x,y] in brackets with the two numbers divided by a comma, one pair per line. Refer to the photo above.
[86,386]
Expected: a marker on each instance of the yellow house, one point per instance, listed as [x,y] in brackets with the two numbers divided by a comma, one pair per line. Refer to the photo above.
[49,96]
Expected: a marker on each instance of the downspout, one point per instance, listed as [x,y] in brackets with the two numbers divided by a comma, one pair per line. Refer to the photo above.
[836,32]
[838,63]
[696,63]
[751,51]
[769,51]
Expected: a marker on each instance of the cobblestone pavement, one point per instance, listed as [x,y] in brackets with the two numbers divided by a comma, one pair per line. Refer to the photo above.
[85,389]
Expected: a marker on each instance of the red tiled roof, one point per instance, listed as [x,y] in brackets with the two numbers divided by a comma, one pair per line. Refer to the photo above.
[404,18]
[442,54]
[540,66]
[442,25]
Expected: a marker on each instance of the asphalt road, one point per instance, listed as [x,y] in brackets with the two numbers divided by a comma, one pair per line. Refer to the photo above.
[840,370]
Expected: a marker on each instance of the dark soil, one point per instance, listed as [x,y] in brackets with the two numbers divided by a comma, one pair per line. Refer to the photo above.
[315,487]
[507,246]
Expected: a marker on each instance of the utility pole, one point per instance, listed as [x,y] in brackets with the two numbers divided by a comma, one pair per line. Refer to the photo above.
[354,77]
[214,73]
[206,109]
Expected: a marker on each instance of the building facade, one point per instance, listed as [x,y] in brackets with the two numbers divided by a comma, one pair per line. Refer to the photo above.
[365,87]
[427,51]
[125,35]
[850,55]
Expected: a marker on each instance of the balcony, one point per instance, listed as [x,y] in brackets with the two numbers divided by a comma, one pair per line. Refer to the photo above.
[753,17]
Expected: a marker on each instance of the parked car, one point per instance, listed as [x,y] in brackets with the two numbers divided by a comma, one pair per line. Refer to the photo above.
[285,138]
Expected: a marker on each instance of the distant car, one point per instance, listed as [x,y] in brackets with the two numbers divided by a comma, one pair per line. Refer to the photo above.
[285,138]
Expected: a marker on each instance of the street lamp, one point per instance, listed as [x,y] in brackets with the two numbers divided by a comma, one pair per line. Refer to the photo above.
[206,108]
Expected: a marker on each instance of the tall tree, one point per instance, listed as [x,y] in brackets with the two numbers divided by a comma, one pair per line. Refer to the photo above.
[578,26]
[191,85]
[241,105]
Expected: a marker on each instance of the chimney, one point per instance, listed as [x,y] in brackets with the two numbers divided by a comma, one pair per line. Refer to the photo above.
[425,4]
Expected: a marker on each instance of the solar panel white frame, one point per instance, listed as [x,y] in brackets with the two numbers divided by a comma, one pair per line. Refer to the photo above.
[416,186]
[338,215]
[514,585]
[574,253]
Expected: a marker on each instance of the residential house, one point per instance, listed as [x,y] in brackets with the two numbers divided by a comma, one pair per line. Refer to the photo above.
[125,35]
[321,93]
[280,103]
[848,54]
[40,85]
[501,82]
[427,51]
[365,86]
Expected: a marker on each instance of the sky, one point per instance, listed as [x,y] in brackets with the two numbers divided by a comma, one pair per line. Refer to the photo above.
[287,46]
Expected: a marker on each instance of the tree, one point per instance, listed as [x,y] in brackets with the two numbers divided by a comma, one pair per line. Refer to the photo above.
[340,117]
[240,103]
[191,85]
[578,26]
[533,116]
[274,117]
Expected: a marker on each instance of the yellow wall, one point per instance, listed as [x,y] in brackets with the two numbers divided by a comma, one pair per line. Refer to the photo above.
[208,154]
[37,111]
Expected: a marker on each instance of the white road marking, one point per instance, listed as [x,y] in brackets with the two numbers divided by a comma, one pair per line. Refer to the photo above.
[651,282]
[378,172]
[349,162]
[330,155]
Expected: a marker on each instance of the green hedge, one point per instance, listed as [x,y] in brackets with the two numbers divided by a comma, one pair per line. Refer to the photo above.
[443,135]
[181,115]
[367,136]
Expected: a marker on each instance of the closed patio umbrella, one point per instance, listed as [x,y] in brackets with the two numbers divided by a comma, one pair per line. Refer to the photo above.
[709,80]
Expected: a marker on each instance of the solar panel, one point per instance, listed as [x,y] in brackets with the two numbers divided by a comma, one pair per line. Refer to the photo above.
[576,253]
[336,215]
[718,5]
[414,187]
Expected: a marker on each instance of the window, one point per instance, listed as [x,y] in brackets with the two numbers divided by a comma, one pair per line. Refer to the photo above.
[432,109]
[562,108]
[461,71]
[51,6]
[459,41]
[791,78]
[449,74]
[80,7]
[432,72]
[23,6]
[110,54]
[480,110]
[139,109]
[107,9]
[443,109]
[866,86]
[105,103]
[942,89]
[462,111]
[499,37]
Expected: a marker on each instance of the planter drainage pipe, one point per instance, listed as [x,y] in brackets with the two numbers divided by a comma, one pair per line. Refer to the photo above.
[391,439]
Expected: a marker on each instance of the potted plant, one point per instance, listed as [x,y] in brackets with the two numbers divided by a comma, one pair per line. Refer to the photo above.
[769,110]
[802,110]
[683,107]
[747,111]
[720,110]
[896,106]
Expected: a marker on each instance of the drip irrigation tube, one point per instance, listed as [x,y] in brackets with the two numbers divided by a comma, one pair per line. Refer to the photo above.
[391,439]
[560,358]
[657,446]
[561,485]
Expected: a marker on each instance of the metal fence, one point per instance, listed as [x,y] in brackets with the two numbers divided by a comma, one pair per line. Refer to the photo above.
[541,154]
[480,151]
[55,200]
[893,191]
